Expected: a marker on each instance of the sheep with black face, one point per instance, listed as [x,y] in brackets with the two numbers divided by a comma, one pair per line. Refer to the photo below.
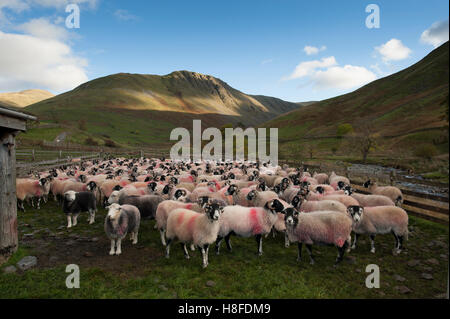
[322,227]
[200,229]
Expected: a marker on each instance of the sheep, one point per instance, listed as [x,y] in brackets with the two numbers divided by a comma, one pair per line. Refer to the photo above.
[321,178]
[380,220]
[247,221]
[335,179]
[27,188]
[394,193]
[344,199]
[147,204]
[239,195]
[371,200]
[306,206]
[120,220]
[259,199]
[321,188]
[165,208]
[322,227]
[76,202]
[200,229]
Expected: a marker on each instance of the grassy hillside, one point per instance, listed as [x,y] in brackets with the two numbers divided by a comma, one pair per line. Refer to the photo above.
[137,109]
[24,98]
[404,110]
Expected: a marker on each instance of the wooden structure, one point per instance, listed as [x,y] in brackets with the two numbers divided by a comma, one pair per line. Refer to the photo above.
[11,123]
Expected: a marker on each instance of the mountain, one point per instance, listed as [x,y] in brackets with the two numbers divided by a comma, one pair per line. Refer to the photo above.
[406,109]
[24,98]
[142,109]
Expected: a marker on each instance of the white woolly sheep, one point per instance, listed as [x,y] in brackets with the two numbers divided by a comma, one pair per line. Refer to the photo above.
[323,227]
[200,229]
[394,193]
[380,220]
[248,221]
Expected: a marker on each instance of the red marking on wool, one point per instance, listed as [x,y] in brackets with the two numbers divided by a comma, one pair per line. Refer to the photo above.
[123,183]
[191,178]
[340,242]
[211,189]
[188,206]
[256,226]
[180,218]
[84,187]
[217,186]
[142,192]
[190,224]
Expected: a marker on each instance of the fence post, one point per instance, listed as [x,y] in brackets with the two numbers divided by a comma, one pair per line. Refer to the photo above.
[60,153]
[32,155]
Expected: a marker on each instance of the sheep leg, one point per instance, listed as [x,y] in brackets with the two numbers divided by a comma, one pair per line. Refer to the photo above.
[207,254]
[218,244]
[227,241]
[309,249]
[286,240]
[341,252]
[192,247]
[113,246]
[299,248]
[74,220]
[168,247]
[400,243]
[273,232]
[259,241]
[355,240]
[372,244]
[162,233]
[395,251]
[38,205]
[135,240]
[204,249]
[91,216]
[69,221]
[20,204]
[186,253]
[119,247]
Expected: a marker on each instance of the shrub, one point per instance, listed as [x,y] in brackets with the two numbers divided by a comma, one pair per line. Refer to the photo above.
[426,151]
[344,129]
[110,143]
[90,141]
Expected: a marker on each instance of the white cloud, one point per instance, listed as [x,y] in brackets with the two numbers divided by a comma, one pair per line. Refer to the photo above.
[309,67]
[124,15]
[43,28]
[326,74]
[310,50]
[266,61]
[35,62]
[346,77]
[436,34]
[393,50]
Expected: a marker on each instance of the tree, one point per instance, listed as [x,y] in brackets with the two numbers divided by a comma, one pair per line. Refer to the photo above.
[364,140]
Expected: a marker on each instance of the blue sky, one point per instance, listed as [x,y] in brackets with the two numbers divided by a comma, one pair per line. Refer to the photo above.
[254,46]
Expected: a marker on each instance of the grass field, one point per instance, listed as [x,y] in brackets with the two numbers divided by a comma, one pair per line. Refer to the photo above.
[143,272]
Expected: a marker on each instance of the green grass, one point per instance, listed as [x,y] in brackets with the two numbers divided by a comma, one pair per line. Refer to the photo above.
[143,272]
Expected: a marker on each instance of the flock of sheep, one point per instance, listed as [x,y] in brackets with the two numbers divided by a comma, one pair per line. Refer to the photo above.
[200,204]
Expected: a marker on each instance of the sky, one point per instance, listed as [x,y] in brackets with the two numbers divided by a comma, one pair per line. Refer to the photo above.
[293,50]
